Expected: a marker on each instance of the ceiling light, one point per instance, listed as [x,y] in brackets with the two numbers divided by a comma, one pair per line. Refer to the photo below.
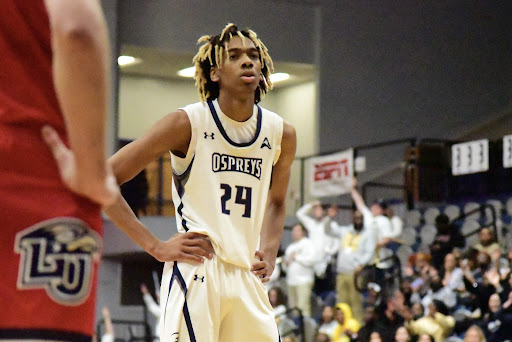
[187,72]
[279,76]
[127,60]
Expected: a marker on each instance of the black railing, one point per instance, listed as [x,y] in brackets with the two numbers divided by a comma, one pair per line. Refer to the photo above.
[481,209]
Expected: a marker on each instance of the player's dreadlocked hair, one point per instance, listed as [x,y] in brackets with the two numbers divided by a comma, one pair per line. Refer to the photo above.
[211,54]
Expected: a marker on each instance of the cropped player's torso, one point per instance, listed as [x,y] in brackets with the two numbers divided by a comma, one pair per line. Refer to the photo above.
[31,192]
[220,188]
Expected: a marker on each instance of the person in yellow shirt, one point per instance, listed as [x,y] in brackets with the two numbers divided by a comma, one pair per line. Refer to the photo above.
[437,324]
[347,325]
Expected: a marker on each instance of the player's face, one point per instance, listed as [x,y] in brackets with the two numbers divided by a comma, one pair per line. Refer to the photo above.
[241,68]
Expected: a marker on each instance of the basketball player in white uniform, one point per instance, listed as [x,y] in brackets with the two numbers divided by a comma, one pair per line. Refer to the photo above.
[231,162]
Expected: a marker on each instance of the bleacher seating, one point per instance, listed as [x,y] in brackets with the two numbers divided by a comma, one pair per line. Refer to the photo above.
[452,211]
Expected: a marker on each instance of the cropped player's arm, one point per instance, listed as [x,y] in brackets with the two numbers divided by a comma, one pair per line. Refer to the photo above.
[172,132]
[81,75]
[273,222]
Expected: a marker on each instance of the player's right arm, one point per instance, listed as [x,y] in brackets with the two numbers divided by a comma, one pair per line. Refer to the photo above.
[171,133]
[81,75]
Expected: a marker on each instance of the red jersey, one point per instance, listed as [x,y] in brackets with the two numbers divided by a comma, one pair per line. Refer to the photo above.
[50,238]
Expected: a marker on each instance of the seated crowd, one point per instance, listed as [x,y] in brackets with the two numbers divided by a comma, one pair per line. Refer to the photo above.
[341,283]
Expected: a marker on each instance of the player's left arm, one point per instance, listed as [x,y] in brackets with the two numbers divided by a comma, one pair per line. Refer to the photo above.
[273,222]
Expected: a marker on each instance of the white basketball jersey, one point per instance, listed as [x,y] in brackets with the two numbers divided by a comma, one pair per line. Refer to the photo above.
[220,188]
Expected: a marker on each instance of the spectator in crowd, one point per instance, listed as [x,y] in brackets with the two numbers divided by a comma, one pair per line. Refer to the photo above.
[376,337]
[370,325]
[452,277]
[278,300]
[418,270]
[152,306]
[505,288]
[299,259]
[347,326]
[436,290]
[376,220]
[109,335]
[290,338]
[474,334]
[397,224]
[477,284]
[373,296]
[509,256]
[406,288]
[486,242]
[426,338]
[356,249]
[447,238]
[313,217]
[322,337]
[436,323]
[391,313]
[496,321]
[418,264]
[402,335]
[327,322]
[417,310]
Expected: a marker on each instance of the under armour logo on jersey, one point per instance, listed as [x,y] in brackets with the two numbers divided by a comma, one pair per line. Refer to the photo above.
[266,144]
[196,278]
[58,255]
[206,136]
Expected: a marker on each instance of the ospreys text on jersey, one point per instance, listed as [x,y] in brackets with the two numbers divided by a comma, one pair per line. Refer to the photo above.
[226,162]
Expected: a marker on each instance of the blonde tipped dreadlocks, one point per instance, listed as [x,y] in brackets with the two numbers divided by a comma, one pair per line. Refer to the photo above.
[211,54]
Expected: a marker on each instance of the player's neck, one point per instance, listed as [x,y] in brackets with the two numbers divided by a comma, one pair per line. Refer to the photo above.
[238,109]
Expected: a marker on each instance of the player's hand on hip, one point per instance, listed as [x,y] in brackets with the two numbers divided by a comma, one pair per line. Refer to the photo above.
[261,267]
[186,247]
[102,190]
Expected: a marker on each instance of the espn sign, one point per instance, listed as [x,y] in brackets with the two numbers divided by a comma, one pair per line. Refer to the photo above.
[328,170]
[331,175]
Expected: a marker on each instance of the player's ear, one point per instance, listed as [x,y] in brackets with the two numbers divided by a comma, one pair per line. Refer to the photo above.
[214,74]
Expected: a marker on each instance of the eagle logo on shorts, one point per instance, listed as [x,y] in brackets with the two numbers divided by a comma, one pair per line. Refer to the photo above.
[58,255]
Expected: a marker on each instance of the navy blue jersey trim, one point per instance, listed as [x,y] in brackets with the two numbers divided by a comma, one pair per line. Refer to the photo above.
[186,172]
[183,221]
[223,132]
[180,180]
[176,274]
[42,334]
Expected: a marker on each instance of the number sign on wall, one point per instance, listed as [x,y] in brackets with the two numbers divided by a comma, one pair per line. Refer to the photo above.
[470,157]
[507,151]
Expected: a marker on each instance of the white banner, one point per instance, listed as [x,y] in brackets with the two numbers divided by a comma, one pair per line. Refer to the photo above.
[331,175]
[470,157]
[507,151]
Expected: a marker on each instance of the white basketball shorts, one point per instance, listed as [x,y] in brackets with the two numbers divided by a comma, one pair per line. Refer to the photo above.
[214,302]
